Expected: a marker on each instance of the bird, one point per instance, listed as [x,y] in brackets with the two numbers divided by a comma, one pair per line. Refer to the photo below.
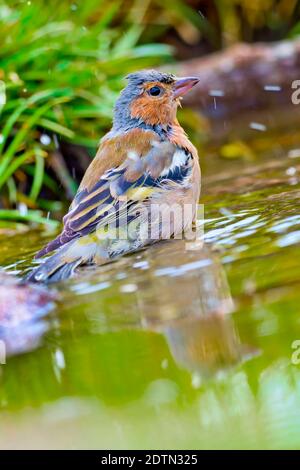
[144,166]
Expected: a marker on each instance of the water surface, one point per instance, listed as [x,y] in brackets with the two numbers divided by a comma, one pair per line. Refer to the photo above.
[170,348]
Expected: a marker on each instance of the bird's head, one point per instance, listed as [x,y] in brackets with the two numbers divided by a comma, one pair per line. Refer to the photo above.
[151,98]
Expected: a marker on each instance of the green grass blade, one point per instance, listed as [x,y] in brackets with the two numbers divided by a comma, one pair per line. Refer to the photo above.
[38,175]
[22,133]
[31,216]
[17,162]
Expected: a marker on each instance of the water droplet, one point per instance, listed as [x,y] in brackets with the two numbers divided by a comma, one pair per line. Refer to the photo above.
[216,93]
[60,359]
[128,288]
[272,88]
[291,171]
[141,264]
[45,139]
[258,126]
[23,209]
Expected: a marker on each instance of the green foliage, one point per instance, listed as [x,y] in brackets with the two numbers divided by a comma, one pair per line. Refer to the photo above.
[62,64]
[61,68]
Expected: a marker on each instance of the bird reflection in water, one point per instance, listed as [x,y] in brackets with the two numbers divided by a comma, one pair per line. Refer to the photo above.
[182,294]
[186,297]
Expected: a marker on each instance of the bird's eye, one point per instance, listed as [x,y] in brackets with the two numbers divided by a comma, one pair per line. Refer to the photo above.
[155,91]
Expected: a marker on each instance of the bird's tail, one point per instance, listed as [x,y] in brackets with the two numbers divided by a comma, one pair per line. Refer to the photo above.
[54,268]
[62,264]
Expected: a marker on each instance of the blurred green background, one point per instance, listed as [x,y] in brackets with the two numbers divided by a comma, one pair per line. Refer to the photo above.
[61,69]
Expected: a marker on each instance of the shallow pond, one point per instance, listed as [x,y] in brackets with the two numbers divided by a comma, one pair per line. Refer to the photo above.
[169,347]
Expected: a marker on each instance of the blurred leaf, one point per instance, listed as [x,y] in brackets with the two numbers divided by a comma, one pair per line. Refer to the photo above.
[237,149]
[2,95]
[295,31]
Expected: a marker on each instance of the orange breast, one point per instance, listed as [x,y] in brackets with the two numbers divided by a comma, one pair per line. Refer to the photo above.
[178,137]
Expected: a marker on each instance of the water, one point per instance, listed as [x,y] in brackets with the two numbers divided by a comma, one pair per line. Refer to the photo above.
[169,348]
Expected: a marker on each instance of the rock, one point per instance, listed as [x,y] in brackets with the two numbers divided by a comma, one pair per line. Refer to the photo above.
[23,310]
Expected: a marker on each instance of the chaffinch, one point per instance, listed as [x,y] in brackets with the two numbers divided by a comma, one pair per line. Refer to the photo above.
[145,164]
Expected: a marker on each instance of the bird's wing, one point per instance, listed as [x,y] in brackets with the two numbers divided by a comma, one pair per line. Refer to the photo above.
[124,172]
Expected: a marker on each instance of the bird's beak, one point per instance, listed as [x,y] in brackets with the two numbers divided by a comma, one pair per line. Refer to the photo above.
[183,85]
